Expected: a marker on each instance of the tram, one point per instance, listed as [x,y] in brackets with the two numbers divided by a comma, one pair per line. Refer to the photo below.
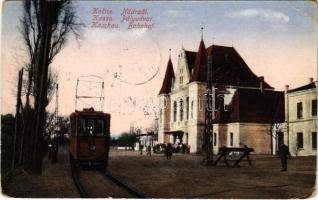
[90,135]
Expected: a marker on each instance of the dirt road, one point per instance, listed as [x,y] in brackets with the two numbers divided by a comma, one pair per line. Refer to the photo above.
[184,177]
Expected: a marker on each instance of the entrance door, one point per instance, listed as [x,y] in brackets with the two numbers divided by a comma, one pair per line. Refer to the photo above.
[280,139]
[166,138]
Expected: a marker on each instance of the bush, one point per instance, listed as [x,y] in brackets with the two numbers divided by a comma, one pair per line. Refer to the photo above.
[7,132]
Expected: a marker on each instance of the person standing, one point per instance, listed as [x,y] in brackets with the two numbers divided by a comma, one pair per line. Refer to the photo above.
[168,151]
[149,150]
[283,153]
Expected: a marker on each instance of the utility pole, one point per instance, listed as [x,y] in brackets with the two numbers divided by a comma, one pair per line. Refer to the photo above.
[17,120]
[208,134]
[56,136]
[57,114]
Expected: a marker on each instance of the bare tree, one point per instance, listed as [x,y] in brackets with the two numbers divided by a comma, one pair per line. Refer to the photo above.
[45,26]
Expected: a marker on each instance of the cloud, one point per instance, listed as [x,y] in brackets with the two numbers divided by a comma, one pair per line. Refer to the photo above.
[262,14]
[177,13]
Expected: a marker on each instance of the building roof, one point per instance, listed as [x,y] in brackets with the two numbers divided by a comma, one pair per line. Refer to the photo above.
[304,87]
[200,65]
[190,57]
[252,105]
[167,81]
[228,67]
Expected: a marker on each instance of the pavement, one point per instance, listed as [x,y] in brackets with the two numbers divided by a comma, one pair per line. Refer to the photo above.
[55,182]
[184,177]
[180,177]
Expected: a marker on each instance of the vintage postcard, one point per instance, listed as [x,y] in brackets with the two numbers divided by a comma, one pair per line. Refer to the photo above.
[159,99]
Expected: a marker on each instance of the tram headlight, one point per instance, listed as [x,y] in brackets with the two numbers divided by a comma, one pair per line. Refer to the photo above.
[93,147]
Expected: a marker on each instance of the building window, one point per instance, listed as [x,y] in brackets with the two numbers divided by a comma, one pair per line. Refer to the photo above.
[191,109]
[187,102]
[300,141]
[299,110]
[215,139]
[181,80]
[226,107]
[181,109]
[231,139]
[160,115]
[314,107]
[174,111]
[314,140]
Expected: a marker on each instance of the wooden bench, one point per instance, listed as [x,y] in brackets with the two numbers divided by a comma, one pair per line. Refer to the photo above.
[225,151]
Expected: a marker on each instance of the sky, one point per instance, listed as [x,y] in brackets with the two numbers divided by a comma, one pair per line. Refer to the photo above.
[277,40]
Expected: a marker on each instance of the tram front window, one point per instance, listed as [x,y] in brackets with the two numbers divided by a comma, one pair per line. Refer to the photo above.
[94,127]
[81,126]
[100,127]
[90,127]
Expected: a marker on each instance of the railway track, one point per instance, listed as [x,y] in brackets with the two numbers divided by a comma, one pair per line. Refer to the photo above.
[99,184]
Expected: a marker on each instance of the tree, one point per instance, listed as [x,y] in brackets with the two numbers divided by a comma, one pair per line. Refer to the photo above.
[45,26]
[127,140]
[7,130]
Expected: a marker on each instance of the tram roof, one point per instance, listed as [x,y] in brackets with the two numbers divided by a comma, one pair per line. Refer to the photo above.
[90,113]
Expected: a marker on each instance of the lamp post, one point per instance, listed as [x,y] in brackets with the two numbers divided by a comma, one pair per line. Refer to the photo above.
[209,109]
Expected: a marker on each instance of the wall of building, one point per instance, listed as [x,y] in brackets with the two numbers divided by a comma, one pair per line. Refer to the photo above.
[182,71]
[253,135]
[164,116]
[221,131]
[307,124]
[179,124]
[235,129]
[306,127]
[256,136]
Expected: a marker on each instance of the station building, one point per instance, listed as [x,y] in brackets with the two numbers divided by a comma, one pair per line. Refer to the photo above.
[245,106]
[301,119]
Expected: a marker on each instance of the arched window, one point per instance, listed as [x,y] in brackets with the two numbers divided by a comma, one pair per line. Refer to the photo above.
[231,139]
[215,139]
[192,109]
[164,102]
[181,109]
[160,115]
[174,111]
[187,102]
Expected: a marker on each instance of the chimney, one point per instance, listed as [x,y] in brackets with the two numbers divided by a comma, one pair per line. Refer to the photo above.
[261,83]
[286,88]
[311,80]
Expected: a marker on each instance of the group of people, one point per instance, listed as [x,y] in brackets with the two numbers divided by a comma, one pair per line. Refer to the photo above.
[167,149]
[148,150]
[283,152]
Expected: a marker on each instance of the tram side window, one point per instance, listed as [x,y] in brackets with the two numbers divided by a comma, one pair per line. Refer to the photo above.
[100,127]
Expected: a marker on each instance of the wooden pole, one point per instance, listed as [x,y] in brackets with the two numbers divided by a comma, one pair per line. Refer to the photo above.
[21,149]
[17,120]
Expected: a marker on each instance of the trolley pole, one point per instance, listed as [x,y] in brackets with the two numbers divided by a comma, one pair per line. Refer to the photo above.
[209,108]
